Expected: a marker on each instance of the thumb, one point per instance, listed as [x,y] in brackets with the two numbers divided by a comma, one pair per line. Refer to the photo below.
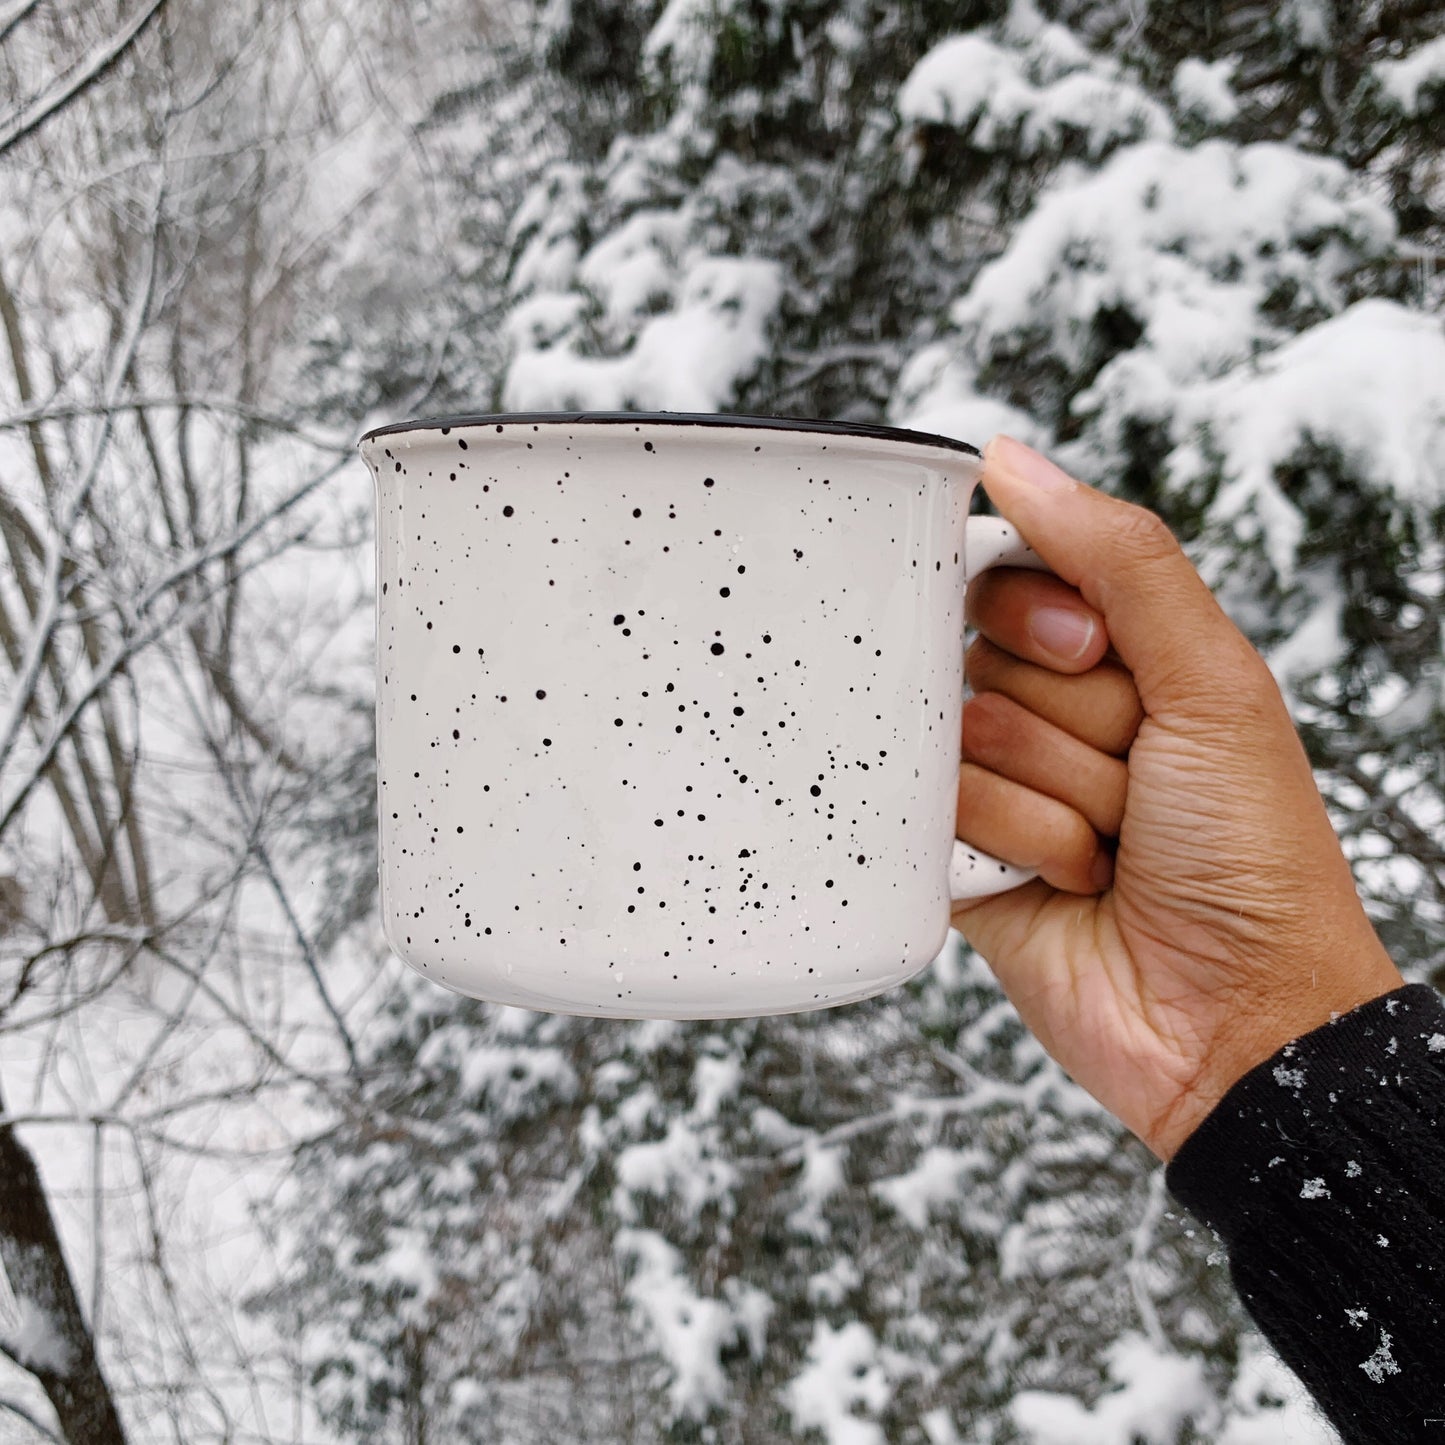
[1166,626]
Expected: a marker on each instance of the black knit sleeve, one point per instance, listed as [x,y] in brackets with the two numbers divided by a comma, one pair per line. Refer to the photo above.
[1323,1171]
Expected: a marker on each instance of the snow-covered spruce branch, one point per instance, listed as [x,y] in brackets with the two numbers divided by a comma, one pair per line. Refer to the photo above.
[138,641]
[989,1095]
[76,81]
[220,405]
[1390,810]
[813,364]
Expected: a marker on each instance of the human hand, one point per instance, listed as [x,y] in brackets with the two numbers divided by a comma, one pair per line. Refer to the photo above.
[1228,923]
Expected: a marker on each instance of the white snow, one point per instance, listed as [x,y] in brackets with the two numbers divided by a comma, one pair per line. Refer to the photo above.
[689,358]
[1157,1392]
[682,40]
[633,266]
[33,1339]
[936,392]
[1202,86]
[503,1077]
[1039,1245]
[847,1370]
[831,1286]
[1268,1405]
[1369,382]
[1404,79]
[688,1330]
[714,1080]
[1382,1362]
[407,1261]
[1310,21]
[638,1109]
[970,82]
[820,1178]
[938,1426]
[1053,49]
[1436,1043]
[1187,241]
[1314,1189]
[752,1309]
[677,1164]
[937,1178]
[543,319]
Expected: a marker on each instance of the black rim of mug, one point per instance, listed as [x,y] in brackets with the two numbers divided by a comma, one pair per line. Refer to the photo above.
[869,430]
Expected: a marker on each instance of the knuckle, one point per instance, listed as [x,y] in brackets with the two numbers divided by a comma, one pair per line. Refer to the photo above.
[1145,533]
[1072,844]
[1122,713]
[1077,836]
[988,722]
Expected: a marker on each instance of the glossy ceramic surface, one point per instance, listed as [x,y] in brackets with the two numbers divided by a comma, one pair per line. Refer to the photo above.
[668,709]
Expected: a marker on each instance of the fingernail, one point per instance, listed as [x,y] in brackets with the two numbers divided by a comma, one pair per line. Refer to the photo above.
[1029,467]
[1062,631]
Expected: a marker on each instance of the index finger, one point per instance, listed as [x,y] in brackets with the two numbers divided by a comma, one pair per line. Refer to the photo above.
[1037,617]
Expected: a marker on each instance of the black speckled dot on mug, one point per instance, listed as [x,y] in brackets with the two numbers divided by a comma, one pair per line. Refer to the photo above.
[668,707]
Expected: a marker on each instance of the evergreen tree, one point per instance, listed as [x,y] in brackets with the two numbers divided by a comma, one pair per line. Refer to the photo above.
[1181,249]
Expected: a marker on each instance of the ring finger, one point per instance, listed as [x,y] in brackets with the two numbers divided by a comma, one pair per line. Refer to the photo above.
[1006,738]
[1100,707]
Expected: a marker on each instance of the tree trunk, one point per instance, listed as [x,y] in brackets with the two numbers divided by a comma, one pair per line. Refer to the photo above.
[54,1344]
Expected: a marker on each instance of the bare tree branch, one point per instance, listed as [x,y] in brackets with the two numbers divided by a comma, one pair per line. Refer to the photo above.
[50,590]
[14,15]
[62,92]
[139,641]
[221,405]
[57,1348]
[21,1413]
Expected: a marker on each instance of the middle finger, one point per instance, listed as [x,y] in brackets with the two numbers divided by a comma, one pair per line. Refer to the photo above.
[1100,707]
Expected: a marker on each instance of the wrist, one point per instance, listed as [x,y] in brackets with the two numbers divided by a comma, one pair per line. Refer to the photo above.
[1258,1031]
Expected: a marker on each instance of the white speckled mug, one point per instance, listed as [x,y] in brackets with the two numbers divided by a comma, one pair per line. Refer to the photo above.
[668,707]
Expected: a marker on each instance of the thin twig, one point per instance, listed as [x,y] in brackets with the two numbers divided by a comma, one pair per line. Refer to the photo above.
[71,411]
[46,619]
[20,1411]
[44,106]
[1140,1247]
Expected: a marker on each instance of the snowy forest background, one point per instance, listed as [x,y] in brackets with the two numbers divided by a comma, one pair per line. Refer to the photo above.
[257,1183]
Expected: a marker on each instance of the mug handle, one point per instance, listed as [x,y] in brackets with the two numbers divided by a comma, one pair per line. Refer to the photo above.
[989,542]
